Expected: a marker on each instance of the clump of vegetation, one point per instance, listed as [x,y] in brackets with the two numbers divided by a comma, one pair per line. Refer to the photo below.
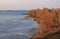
[49,22]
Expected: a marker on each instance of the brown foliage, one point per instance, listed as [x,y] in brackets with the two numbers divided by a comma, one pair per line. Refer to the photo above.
[48,19]
[31,13]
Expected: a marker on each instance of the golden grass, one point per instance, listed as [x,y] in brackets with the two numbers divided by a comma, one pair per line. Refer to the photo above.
[48,19]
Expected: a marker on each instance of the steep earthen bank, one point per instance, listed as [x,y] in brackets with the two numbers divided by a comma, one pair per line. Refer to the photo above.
[49,23]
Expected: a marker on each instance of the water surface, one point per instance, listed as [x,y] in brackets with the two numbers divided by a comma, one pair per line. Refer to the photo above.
[14,25]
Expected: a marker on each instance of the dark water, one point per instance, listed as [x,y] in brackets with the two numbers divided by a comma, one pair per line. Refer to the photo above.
[14,25]
[14,12]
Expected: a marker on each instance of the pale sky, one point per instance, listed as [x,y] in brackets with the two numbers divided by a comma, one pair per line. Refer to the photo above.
[28,4]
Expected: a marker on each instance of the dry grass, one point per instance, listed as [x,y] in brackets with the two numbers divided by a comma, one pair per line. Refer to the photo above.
[49,21]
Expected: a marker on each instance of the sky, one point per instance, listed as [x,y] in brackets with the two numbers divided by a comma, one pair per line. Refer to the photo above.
[28,4]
